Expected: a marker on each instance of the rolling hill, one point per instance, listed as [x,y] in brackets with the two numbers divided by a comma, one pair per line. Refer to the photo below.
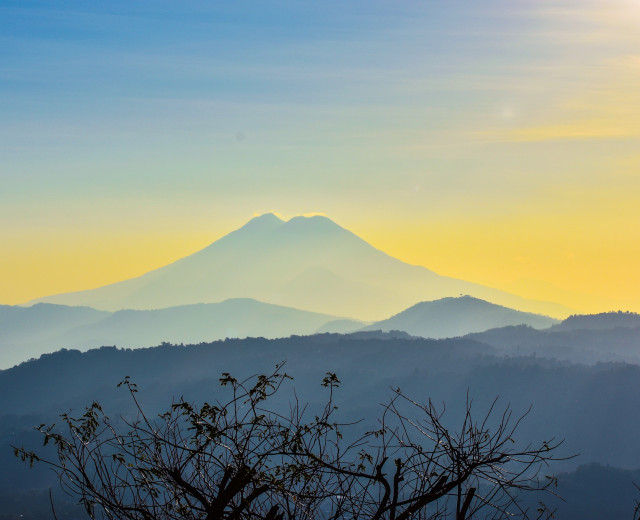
[450,317]
[579,339]
[27,332]
[601,321]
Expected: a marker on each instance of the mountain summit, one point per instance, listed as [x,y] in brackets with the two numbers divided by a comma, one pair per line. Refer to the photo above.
[310,263]
[450,317]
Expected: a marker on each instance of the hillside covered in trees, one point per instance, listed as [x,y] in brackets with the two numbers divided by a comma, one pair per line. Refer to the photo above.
[589,406]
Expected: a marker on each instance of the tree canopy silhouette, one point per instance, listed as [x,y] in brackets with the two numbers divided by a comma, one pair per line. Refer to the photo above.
[245,458]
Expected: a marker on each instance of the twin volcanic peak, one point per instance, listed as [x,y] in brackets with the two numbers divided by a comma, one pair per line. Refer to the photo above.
[309,263]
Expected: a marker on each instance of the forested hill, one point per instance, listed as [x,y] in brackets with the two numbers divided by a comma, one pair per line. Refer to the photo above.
[574,401]
[591,407]
[589,345]
[602,321]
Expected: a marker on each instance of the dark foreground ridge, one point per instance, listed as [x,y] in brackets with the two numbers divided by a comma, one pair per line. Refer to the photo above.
[589,406]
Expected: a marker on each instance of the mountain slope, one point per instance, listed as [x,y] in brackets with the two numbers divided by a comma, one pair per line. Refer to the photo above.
[309,263]
[586,345]
[576,403]
[602,321]
[451,317]
[27,332]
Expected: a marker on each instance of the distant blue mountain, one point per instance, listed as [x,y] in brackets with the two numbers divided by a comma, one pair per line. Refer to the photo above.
[602,321]
[27,332]
[587,345]
[451,317]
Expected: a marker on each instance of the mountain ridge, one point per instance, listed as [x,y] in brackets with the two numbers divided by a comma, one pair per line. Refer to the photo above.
[451,317]
[600,321]
[27,332]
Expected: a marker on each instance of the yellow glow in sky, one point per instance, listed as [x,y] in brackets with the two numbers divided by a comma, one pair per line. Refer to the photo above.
[499,143]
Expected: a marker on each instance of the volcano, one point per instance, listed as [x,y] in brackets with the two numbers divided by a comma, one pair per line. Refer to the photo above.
[310,263]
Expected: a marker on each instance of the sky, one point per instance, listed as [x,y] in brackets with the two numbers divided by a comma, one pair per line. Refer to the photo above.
[493,141]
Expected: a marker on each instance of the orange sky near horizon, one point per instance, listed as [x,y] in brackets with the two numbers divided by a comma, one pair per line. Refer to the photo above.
[499,143]
[587,274]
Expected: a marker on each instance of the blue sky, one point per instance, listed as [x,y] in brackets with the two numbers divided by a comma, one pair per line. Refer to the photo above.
[179,84]
[432,129]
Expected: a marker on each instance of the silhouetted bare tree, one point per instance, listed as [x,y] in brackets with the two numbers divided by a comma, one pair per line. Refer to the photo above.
[415,467]
[240,459]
